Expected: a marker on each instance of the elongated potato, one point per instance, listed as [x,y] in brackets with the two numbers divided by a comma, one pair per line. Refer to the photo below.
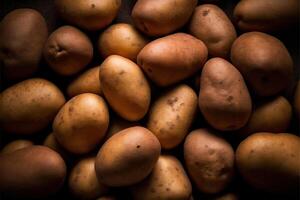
[16,145]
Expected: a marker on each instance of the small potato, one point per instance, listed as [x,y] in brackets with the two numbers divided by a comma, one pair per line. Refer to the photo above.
[127,157]
[81,123]
[209,160]
[29,106]
[168,180]
[172,114]
[171,59]
[121,39]
[263,61]
[270,162]
[125,87]
[16,145]
[211,25]
[157,18]
[224,99]
[68,50]
[297,100]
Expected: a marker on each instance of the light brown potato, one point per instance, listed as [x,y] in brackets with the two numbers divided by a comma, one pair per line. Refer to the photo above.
[224,99]
[263,61]
[127,157]
[270,162]
[29,106]
[297,100]
[16,145]
[81,123]
[31,172]
[167,180]
[172,114]
[157,18]
[121,39]
[171,59]
[90,15]
[125,87]
[211,25]
[209,160]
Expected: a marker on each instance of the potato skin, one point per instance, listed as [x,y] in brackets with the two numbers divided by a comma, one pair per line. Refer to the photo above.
[16,145]
[127,157]
[29,106]
[157,58]
[211,25]
[125,87]
[224,99]
[270,162]
[172,114]
[264,62]
[23,33]
[157,18]
[297,100]
[31,172]
[81,123]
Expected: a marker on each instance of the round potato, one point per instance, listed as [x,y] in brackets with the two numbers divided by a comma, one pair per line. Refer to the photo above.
[29,106]
[16,145]
[127,157]
[297,100]
[81,123]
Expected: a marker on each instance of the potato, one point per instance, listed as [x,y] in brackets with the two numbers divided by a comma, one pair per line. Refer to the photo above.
[170,59]
[267,15]
[68,50]
[121,39]
[263,61]
[16,145]
[224,99]
[297,100]
[172,114]
[125,87]
[29,106]
[127,157]
[157,18]
[90,15]
[270,162]
[31,172]
[168,180]
[81,123]
[211,25]
[87,82]
[23,33]
[209,160]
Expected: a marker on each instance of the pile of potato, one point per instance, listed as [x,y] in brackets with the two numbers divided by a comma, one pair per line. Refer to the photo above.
[186,102]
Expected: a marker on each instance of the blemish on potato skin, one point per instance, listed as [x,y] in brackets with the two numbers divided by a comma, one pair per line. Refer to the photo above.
[205,13]
[171,101]
[121,72]
[230,98]
[93,6]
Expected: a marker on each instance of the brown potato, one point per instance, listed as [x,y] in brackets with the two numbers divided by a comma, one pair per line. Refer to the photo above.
[16,145]
[127,157]
[172,114]
[81,123]
[224,99]
[297,100]
[211,25]
[263,61]
[29,106]
[68,50]
[209,160]
[23,33]
[171,59]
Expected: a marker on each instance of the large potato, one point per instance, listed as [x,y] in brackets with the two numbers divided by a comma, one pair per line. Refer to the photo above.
[81,123]
[172,114]
[297,100]
[263,61]
[170,59]
[270,162]
[16,145]
[29,106]
[23,33]
[125,87]
[127,157]
[224,99]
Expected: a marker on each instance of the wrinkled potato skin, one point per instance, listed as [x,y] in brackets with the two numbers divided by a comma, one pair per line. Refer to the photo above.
[264,62]
[157,18]
[209,160]
[211,25]
[29,106]
[297,100]
[157,58]
[19,51]
[224,99]
[172,114]
[16,145]
[127,157]
[270,162]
